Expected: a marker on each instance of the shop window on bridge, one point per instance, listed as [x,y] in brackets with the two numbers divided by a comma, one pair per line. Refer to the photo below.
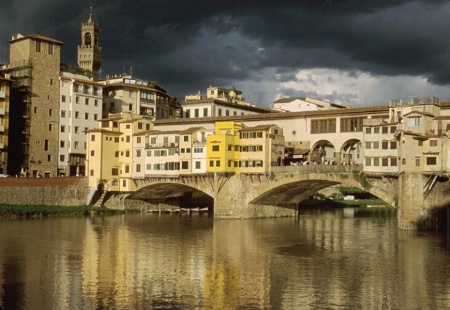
[384,145]
[385,162]
[323,126]
[385,130]
[352,124]
[394,161]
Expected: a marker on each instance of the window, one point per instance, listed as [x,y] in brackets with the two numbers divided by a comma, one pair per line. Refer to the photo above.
[62,143]
[393,129]
[393,145]
[127,169]
[138,139]
[77,99]
[92,153]
[414,121]
[63,113]
[196,112]
[420,143]
[49,157]
[368,130]
[50,49]
[376,161]
[115,171]
[368,145]
[45,145]
[384,162]
[215,148]
[50,127]
[217,163]
[376,129]
[417,162]
[38,46]
[433,142]
[184,164]
[211,163]
[376,145]
[323,126]
[394,161]
[75,146]
[220,112]
[86,115]
[61,158]
[130,107]
[77,129]
[91,172]
[384,129]
[63,98]
[138,153]
[205,112]
[351,124]
[86,101]
[77,114]
[186,138]
[138,168]
[198,165]
[384,145]
[431,161]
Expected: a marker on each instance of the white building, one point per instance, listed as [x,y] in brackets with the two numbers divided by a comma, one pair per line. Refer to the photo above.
[219,102]
[80,110]
[304,104]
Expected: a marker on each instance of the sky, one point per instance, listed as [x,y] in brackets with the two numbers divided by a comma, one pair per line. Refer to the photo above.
[357,53]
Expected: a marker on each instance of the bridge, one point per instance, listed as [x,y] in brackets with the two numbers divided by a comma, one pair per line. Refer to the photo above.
[418,198]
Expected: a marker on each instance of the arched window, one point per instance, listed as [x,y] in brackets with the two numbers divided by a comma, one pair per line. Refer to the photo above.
[87,39]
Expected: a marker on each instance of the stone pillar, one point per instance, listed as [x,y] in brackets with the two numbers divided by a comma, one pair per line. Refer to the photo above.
[348,158]
[337,157]
[410,201]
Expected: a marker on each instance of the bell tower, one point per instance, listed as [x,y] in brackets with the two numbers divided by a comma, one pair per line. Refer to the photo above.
[89,52]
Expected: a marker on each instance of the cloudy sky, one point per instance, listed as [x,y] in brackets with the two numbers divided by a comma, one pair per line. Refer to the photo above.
[356,52]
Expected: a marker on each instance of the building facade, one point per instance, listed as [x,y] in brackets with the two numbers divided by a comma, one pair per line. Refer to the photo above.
[5,86]
[130,95]
[80,109]
[34,65]
[219,102]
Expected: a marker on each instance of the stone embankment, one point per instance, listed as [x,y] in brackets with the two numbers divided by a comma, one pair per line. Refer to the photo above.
[58,191]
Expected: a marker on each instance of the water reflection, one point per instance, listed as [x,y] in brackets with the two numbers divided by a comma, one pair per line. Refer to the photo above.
[323,260]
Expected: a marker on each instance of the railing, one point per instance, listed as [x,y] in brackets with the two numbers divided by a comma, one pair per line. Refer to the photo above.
[316,169]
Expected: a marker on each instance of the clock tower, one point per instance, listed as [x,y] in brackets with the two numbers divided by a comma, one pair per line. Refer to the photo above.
[89,52]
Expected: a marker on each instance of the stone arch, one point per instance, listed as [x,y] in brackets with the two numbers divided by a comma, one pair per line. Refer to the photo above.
[323,151]
[351,152]
[164,192]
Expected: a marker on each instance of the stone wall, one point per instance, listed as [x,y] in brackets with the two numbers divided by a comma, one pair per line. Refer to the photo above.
[65,191]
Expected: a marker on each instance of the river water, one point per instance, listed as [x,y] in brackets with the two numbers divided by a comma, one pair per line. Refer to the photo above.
[323,260]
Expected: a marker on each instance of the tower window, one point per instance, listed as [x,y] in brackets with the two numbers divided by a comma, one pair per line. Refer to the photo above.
[87,39]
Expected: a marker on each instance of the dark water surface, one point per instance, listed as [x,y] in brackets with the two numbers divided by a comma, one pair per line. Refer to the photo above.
[326,260]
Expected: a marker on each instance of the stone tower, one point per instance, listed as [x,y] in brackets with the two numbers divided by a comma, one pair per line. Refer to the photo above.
[89,52]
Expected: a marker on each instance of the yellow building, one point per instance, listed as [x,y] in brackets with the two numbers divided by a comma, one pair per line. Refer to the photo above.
[109,162]
[223,148]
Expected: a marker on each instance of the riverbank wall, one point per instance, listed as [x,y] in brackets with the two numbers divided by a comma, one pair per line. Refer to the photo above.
[57,191]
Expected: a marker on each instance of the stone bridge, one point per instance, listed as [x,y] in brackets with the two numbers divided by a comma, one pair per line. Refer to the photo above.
[418,197]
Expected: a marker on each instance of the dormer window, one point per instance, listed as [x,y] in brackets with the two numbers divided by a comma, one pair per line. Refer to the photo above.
[414,121]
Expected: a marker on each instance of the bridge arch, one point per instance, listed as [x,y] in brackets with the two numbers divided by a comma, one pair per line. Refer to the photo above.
[351,151]
[176,194]
[322,150]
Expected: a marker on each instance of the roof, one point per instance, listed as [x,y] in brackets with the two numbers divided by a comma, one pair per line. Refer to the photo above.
[167,132]
[228,104]
[102,130]
[287,100]
[349,112]
[20,37]
[259,127]
[420,113]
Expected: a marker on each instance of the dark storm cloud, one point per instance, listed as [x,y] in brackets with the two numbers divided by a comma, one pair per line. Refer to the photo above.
[188,45]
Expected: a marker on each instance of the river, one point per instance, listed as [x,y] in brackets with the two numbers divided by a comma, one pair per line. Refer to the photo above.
[323,260]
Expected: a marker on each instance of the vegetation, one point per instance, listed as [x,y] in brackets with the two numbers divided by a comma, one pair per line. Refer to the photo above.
[39,211]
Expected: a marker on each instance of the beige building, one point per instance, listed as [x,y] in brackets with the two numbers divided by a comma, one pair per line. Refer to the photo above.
[34,65]
[110,148]
[414,138]
[261,148]
[5,86]
[130,95]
